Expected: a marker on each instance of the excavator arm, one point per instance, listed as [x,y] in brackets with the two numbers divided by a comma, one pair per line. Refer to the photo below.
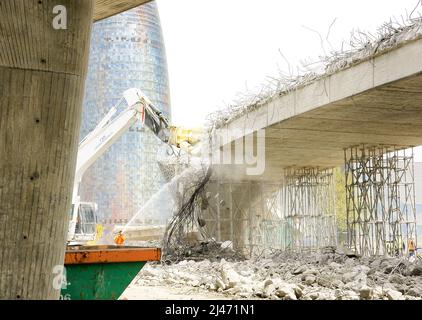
[111,128]
[99,140]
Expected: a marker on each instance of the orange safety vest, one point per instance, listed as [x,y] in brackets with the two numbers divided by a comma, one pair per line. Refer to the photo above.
[119,239]
[411,245]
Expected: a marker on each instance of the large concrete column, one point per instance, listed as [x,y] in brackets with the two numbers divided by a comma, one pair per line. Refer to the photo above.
[42,75]
[232,212]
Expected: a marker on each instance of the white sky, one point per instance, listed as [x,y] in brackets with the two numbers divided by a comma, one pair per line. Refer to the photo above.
[218,48]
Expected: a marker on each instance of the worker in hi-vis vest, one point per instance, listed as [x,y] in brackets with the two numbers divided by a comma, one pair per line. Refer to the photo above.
[411,247]
[119,239]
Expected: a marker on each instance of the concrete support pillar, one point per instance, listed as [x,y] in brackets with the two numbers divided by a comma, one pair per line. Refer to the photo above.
[230,214]
[42,75]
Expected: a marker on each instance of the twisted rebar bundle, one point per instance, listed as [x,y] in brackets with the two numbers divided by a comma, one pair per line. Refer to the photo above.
[186,217]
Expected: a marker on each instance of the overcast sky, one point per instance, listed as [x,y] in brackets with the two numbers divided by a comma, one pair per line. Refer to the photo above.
[218,48]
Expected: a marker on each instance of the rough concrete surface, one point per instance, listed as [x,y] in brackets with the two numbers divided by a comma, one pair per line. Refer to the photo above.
[107,8]
[331,275]
[42,78]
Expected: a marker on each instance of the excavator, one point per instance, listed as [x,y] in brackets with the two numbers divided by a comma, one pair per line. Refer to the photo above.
[83,226]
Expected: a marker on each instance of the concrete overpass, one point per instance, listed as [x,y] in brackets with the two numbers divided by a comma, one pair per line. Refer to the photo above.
[361,117]
[377,101]
[42,78]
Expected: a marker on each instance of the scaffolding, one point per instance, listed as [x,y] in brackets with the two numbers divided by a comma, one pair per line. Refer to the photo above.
[263,217]
[380,199]
[309,200]
[246,213]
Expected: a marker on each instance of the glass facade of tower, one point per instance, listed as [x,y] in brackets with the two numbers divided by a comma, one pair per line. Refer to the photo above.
[127,51]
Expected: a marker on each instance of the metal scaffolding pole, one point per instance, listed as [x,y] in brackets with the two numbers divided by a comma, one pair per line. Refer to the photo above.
[262,217]
[309,208]
[380,199]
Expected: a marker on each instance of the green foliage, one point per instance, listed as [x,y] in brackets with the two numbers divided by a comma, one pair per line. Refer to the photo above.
[339,181]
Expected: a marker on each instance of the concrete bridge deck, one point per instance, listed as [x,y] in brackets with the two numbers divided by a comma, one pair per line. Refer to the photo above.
[378,101]
[107,8]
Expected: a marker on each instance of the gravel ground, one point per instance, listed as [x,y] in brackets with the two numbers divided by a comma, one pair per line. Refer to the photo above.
[330,275]
[165,292]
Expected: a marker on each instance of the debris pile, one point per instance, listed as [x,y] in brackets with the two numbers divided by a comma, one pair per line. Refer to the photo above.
[204,250]
[330,275]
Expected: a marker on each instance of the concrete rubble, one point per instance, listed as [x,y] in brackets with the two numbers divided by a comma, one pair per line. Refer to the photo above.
[289,276]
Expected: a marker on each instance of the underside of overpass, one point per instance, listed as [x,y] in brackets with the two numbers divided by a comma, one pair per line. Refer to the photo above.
[107,8]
